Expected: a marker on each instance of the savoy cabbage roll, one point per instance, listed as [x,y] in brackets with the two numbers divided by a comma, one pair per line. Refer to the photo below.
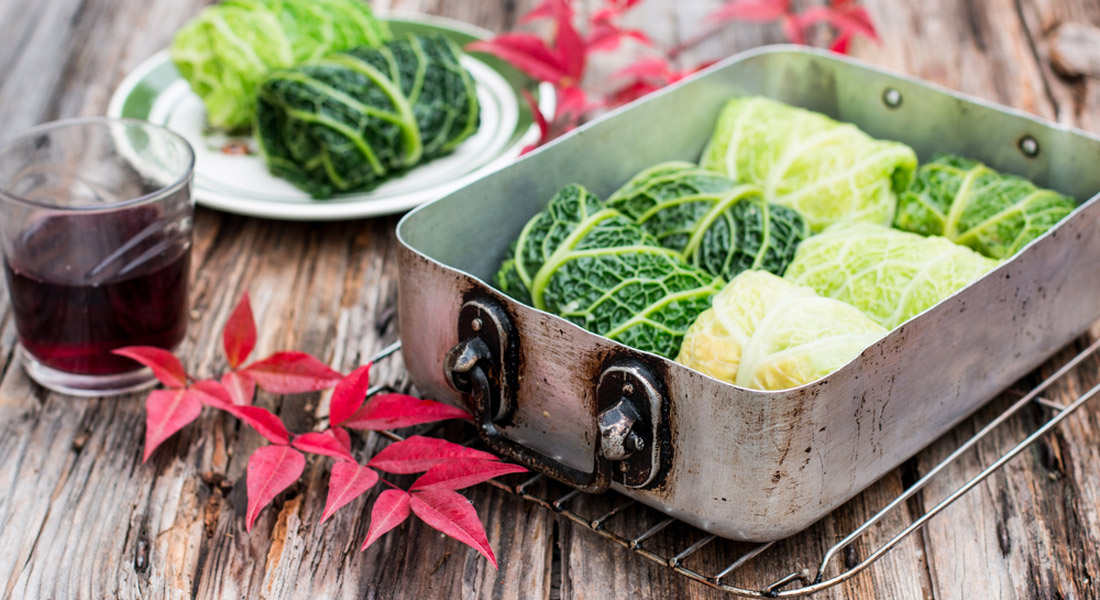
[226,50]
[764,332]
[349,121]
[890,275]
[828,171]
[593,266]
[971,204]
[716,224]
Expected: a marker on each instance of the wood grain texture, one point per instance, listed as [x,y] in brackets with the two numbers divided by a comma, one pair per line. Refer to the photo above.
[81,517]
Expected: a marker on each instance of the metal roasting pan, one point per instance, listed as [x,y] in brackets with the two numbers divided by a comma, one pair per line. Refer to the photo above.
[739,463]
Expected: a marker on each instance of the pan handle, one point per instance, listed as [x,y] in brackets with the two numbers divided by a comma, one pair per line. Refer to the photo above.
[630,434]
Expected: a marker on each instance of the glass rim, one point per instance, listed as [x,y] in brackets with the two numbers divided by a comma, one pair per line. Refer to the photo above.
[188,171]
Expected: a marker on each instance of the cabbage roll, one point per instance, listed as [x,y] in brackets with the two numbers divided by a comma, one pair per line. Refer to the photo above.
[830,172]
[890,275]
[593,266]
[766,333]
[349,121]
[970,204]
[715,223]
[226,50]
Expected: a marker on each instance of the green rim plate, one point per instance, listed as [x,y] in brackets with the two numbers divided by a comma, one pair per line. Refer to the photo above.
[241,184]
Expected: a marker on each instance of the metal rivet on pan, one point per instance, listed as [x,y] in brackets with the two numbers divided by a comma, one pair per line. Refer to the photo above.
[891,97]
[476,324]
[628,389]
[1029,146]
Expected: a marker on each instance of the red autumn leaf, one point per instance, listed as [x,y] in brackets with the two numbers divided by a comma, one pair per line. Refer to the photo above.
[452,514]
[793,29]
[456,475]
[390,510]
[604,33]
[545,10]
[262,420]
[349,395]
[572,104]
[212,393]
[341,436]
[569,49]
[540,121]
[612,9]
[292,373]
[271,469]
[569,43]
[418,453]
[604,36]
[166,412]
[241,388]
[393,411]
[654,69]
[840,44]
[525,51]
[847,17]
[347,482]
[239,335]
[757,11]
[632,92]
[324,444]
[165,366]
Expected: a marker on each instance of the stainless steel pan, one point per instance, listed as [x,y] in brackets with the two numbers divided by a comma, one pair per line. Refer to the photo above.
[740,463]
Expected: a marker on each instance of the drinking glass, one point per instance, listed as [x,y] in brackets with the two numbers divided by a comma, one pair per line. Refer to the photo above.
[95,228]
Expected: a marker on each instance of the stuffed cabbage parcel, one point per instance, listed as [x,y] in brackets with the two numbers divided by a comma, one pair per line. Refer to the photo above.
[973,205]
[593,266]
[227,49]
[890,275]
[348,121]
[830,172]
[767,333]
[716,224]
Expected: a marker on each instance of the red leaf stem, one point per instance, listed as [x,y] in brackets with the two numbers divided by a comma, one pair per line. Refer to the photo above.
[212,393]
[241,387]
[341,436]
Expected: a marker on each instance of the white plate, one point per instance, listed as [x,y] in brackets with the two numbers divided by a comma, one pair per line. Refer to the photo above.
[241,184]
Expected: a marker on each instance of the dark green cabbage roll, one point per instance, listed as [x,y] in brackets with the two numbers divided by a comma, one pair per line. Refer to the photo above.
[595,267]
[971,204]
[351,120]
[715,223]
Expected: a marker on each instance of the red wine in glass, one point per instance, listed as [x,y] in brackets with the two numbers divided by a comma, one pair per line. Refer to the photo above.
[82,285]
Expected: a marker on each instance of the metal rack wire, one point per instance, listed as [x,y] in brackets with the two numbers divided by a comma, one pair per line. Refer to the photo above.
[607,519]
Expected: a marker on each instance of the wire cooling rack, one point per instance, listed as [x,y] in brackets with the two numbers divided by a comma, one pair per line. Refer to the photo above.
[687,551]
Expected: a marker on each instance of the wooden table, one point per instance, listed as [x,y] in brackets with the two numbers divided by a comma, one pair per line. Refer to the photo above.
[82,517]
